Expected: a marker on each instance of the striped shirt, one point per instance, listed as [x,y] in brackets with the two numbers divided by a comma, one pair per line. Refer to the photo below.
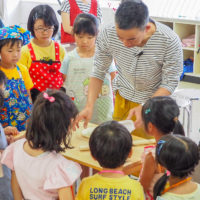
[65,7]
[141,70]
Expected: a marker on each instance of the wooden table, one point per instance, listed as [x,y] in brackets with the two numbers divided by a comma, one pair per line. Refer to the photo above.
[132,166]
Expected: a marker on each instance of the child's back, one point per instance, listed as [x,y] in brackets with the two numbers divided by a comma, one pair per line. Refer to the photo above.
[179,155]
[37,167]
[110,144]
[40,176]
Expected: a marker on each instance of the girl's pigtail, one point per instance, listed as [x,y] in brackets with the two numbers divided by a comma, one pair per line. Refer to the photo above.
[159,186]
[178,128]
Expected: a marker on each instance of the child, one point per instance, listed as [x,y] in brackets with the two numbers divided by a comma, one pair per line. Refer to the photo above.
[17,104]
[5,186]
[179,155]
[77,67]
[160,116]
[42,55]
[38,170]
[110,144]
[70,9]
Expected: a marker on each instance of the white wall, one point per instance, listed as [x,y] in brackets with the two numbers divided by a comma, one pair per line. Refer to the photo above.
[19,12]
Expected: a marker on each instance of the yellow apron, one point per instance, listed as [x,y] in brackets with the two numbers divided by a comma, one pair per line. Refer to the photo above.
[121,111]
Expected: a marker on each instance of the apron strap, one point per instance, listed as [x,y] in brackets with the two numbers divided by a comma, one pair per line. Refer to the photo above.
[30,47]
[20,74]
[57,51]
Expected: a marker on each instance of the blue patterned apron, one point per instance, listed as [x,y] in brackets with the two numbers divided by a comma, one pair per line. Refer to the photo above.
[17,105]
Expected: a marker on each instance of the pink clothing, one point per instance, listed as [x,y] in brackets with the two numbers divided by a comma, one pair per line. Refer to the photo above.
[40,177]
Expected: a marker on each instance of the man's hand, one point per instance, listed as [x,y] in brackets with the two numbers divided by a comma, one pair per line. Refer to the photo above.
[137,112]
[85,115]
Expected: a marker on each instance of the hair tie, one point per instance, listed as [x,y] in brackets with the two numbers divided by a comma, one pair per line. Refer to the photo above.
[148,110]
[50,98]
[168,173]
[161,142]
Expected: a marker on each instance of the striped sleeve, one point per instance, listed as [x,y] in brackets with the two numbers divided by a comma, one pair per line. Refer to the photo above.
[103,57]
[65,7]
[172,65]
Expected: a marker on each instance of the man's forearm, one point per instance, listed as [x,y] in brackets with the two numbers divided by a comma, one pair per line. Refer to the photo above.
[162,92]
[95,86]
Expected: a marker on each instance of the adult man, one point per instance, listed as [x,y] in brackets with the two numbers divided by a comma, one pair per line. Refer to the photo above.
[148,57]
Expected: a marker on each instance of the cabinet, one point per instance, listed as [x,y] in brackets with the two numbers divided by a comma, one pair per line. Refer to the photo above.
[184,28]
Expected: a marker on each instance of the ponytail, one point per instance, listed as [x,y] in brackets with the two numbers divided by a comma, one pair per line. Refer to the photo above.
[178,128]
[159,186]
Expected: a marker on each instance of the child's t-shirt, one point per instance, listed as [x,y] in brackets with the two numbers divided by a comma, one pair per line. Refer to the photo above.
[78,71]
[41,53]
[41,176]
[99,187]
[13,73]
[191,196]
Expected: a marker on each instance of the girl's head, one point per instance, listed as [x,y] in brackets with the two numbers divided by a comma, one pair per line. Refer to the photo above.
[110,144]
[85,30]
[50,123]
[162,112]
[179,155]
[42,22]
[11,40]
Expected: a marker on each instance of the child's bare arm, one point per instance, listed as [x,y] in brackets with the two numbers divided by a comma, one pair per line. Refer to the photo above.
[17,193]
[64,76]
[112,75]
[65,193]
[66,22]
[148,171]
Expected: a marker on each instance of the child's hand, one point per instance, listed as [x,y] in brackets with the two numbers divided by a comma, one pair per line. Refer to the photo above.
[10,139]
[9,130]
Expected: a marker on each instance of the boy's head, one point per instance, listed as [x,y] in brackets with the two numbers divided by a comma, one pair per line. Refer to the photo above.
[11,40]
[110,144]
[85,30]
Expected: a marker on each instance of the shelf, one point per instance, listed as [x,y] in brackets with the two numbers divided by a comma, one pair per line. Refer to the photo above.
[189,48]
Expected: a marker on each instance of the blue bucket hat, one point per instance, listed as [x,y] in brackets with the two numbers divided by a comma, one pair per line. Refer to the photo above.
[15,32]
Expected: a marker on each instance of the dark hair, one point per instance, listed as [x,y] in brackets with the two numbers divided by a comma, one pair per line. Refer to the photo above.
[3,78]
[10,41]
[49,124]
[47,14]
[110,144]
[86,23]
[163,112]
[179,155]
[3,81]
[132,14]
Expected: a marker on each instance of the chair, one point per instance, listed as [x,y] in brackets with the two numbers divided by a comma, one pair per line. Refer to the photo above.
[184,99]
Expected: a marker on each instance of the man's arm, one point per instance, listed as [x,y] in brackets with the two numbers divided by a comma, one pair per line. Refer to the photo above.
[171,71]
[102,61]
[138,110]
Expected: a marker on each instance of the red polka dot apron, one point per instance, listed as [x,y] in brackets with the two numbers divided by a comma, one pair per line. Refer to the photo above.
[45,74]
[74,11]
